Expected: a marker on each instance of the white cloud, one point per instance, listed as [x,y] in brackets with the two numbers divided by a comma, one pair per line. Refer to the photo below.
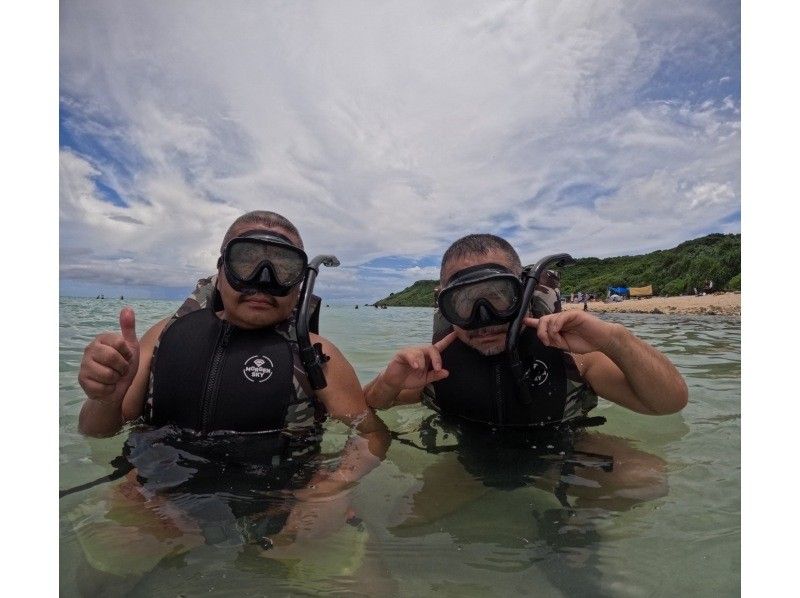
[419,273]
[382,130]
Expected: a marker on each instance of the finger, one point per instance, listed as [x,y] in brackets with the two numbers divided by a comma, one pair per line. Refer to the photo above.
[127,325]
[445,342]
[404,360]
[541,331]
[554,325]
[422,360]
[407,357]
[113,340]
[102,374]
[109,356]
[436,375]
[530,322]
[558,341]
[434,357]
[553,329]
[95,389]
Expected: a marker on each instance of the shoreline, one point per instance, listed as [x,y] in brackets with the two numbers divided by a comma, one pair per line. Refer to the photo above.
[719,304]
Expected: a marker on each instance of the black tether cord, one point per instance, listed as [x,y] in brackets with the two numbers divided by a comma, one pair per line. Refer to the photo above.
[121,467]
[560,492]
[434,450]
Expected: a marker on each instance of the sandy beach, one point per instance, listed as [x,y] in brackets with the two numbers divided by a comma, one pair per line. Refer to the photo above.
[722,304]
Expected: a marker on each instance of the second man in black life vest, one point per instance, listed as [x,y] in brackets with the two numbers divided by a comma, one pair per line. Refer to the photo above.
[569,357]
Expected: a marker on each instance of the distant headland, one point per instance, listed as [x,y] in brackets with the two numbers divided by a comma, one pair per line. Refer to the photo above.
[710,264]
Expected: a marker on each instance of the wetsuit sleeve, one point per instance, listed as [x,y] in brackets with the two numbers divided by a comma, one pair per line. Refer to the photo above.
[199,298]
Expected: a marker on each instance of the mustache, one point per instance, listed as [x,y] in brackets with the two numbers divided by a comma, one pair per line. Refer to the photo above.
[251,292]
[487,331]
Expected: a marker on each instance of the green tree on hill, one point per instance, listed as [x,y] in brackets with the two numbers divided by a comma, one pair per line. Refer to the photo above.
[677,271]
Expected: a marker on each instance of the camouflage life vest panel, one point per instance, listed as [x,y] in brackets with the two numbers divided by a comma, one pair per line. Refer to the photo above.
[483,389]
[208,375]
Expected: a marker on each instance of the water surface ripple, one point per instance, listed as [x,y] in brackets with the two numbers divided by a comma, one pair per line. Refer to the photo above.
[474,520]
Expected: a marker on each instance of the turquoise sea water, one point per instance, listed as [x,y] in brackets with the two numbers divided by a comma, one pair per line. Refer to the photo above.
[665,522]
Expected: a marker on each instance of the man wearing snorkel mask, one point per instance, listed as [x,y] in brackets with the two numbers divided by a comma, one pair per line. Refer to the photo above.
[567,358]
[230,360]
[511,381]
[260,272]
[232,368]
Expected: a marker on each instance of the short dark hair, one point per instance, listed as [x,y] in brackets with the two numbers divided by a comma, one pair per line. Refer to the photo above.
[480,244]
[263,218]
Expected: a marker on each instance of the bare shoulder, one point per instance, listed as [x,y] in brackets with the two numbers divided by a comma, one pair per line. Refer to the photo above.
[133,402]
[328,347]
[343,395]
[151,336]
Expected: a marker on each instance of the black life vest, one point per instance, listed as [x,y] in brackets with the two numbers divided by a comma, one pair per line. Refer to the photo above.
[482,388]
[208,375]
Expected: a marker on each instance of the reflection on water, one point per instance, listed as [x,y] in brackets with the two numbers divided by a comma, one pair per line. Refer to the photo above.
[448,511]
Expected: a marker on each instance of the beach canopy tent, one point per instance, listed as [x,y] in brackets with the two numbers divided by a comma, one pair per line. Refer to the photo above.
[621,291]
[642,291]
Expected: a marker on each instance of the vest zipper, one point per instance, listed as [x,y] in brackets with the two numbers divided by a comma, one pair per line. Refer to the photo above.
[212,384]
[498,392]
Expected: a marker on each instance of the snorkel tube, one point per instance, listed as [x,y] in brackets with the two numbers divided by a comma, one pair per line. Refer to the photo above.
[530,277]
[312,356]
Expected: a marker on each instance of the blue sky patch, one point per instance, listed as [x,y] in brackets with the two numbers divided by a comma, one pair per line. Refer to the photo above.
[732,217]
[706,66]
[108,193]
[582,194]
[400,262]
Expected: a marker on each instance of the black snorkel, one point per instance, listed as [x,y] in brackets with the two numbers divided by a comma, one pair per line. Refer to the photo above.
[530,277]
[312,357]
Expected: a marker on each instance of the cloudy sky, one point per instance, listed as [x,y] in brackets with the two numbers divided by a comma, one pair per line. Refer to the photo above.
[386,130]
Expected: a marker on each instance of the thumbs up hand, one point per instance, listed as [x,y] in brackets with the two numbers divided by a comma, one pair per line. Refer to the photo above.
[110,362]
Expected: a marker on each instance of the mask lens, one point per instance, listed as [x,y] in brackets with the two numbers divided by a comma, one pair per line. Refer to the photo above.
[246,257]
[500,293]
[287,264]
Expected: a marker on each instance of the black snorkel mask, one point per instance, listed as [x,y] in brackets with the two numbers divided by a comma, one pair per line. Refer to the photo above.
[480,296]
[263,262]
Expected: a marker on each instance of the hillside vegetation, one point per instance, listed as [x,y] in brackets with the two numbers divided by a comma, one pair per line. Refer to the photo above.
[675,271]
[419,294]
